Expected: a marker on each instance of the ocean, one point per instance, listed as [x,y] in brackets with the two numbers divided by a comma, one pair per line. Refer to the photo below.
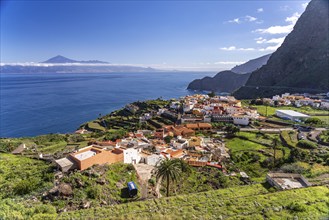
[36,104]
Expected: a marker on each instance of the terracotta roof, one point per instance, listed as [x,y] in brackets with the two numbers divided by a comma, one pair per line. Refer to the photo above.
[176,153]
[204,125]
[191,126]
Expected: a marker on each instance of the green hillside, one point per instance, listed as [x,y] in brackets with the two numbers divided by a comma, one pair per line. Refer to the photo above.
[247,202]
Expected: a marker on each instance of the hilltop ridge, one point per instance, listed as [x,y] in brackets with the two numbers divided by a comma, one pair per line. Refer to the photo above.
[62,59]
[229,80]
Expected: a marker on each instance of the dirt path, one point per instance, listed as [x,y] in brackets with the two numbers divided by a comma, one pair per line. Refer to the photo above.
[144,173]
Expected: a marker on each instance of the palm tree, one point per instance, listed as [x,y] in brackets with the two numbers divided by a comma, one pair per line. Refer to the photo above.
[169,170]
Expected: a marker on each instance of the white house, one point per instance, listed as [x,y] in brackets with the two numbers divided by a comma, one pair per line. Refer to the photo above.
[175,105]
[145,117]
[153,159]
[131,155]
[180,143]
[291,115]
[188,107]
[276,98]
[241,120]
[325,105]
[232,110]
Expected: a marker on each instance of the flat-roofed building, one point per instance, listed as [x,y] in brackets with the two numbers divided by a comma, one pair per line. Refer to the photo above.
[287,180]
[291,115]
[91,155]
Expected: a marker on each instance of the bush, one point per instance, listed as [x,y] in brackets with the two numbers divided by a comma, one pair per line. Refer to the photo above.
[306,144]
[313,121]
[25,186]
[296,207]
[45,209]
[94,192]
[292,168]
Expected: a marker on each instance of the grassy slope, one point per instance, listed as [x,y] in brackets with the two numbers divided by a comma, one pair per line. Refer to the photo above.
[251,143]
[248,202]
[271,109]
[20,175]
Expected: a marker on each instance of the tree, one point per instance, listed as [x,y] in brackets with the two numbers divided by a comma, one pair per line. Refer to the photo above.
[167,139]
[212,94]
[313,121]
[170,171]
[232,129]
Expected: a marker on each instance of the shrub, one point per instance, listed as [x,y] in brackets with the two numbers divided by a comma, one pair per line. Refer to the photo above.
[45,209]
[292,168]
[94,192]
[306,144]
[313,121]
[25,186]
[296,207]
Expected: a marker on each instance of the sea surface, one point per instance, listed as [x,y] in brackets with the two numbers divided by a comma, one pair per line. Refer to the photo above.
[35,104]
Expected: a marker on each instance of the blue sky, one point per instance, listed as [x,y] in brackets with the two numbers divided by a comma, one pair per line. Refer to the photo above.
[185,35]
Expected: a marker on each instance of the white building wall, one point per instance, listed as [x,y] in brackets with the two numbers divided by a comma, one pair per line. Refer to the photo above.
[153,159]
[131,155]
[241,120]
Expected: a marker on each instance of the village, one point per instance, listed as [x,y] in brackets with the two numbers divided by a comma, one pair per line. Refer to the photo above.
[223,143]
[194,136]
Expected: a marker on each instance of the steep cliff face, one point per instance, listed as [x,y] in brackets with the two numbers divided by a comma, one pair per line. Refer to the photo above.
[251,65]
[229,81]
[301,63]
[225,81]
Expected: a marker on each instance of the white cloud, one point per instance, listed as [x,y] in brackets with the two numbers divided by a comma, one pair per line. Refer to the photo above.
[229,62]
[276,30]
[285,29]
[244,19]
[260,10]
[270,48]
[250,18]
[275,40]
[293,19]
[235,20]
[261,40]
[304,5]
[233,48]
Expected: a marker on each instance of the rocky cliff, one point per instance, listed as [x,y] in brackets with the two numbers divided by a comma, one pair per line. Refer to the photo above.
[229,81]
[301,63]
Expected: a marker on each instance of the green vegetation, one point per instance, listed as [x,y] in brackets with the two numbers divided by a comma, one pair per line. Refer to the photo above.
[203,179]
[124,119]
[324,136]
[313,121]
[306,144]
[53,144]
[231,129]
[95,126]
[289,138]
[253,153]
[304,109]
[98,185]
[170,171]
[21,176]
[248,202]
[23,179]
[324,119]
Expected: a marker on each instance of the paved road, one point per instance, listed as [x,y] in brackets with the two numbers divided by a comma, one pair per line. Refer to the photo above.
[267,129]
